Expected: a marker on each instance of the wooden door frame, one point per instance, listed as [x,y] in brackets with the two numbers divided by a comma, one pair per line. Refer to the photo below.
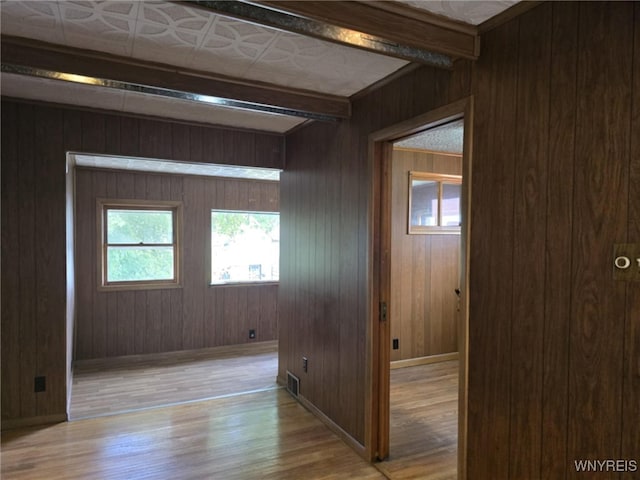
[379,278]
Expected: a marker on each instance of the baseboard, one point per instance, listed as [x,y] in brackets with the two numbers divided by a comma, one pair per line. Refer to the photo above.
[412,362]
[13,423]
[334,427]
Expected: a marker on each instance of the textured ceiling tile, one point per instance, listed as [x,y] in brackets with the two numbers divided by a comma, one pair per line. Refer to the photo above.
[446,138]
[37,20]
[103,26]
[469,11]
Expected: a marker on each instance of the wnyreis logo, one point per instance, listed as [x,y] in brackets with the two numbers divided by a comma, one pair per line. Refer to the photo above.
[606,465]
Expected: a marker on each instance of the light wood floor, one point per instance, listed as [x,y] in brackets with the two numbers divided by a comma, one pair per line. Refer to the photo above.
[424,423]
[261,434]
[124,384]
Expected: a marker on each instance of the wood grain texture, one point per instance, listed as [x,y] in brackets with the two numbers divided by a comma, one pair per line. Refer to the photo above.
[138,322]
[324,296]
[554,132]
[600,206]
[35,335]
[211,439]
[491,256]
[631,383]
[562,119]
[529,242]
[424,268]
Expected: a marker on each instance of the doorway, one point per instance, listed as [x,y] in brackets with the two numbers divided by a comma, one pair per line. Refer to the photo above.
[381,318]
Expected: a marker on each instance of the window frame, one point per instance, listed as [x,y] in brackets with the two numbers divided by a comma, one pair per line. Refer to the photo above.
[103,205]
[440,179]
[210,256]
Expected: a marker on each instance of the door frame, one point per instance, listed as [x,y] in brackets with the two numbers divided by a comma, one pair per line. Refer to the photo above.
[379,278]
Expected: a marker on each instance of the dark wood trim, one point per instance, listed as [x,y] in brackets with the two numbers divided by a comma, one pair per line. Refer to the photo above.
[10,424]
[507,15]
[425,32]
[41,55]
[412,362]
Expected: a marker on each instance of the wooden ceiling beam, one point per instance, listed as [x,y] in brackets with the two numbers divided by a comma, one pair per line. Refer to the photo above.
[30,57]
[361,25]
[398,25]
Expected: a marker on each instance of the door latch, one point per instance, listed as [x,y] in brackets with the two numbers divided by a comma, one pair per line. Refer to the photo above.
[383,311]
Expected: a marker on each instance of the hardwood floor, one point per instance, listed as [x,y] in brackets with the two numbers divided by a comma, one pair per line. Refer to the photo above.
[124,384]
[424,423]
[262,433]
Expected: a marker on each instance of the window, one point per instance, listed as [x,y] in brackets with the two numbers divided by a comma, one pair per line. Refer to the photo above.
[139,244]
[434,203]
[245,247]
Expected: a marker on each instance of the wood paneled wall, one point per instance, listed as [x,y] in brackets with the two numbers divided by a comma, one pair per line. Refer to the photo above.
[35,139]
[195,316]
[425,269]
[554,341]
[324,233]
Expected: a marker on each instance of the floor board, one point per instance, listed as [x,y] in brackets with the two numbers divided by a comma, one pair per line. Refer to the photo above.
[261,433]
[423,423]
[124,384]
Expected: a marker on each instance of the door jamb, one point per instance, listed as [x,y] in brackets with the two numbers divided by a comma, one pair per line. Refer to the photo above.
[378,332]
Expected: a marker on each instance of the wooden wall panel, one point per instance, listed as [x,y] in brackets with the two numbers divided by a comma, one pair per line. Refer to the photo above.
[424,268]
[554,187]
[137,322]
[602,146]
[631,386]
[325,193]
[36,304]
[562,118]
[491,256]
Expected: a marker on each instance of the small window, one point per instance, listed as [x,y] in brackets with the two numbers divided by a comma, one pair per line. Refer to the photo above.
[245,247]
[139,244]
[434,203]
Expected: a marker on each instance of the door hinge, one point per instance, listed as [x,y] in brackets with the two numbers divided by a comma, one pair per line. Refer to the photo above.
[383,311]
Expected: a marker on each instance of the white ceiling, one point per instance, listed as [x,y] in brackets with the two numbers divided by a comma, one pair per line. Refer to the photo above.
[185,37]
[447,138]
[174,167]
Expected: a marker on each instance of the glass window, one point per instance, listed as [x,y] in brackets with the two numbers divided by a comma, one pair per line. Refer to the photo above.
[139,244]
[434,203]
[245,247]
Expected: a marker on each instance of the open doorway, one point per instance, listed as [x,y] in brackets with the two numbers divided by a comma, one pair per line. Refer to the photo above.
[445,345]
[154,324]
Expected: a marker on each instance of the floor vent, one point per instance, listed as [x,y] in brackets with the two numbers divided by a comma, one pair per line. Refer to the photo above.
[292,384]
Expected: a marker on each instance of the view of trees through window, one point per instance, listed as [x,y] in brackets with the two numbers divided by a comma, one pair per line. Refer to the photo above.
[245,246]
[140,245]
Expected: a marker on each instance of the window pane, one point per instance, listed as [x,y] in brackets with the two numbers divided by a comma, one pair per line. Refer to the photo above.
[139,263]
[451,205]
[139,226]
[245,247]
[424,203]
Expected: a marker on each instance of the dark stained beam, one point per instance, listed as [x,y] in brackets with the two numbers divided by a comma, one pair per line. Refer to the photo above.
[44,60]
[374,26]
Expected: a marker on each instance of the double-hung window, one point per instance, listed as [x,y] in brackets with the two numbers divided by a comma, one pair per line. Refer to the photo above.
[139,243]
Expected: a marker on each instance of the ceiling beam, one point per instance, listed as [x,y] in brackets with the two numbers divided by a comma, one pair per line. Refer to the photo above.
[39,59]
[374,26]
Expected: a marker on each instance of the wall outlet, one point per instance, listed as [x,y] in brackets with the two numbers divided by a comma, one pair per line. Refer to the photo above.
[39,384]
[252,333]
[305,363]
[396,344]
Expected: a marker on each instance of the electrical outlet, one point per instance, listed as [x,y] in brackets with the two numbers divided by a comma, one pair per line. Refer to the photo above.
[305,363]
[39,384]
[252,333]
[396,344]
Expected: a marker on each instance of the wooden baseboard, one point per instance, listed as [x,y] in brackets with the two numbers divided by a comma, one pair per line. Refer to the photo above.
[12,423]
[334,427]
[412,362]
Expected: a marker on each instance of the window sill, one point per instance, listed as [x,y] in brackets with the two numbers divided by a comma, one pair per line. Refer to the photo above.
[244,284]
[119,287]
